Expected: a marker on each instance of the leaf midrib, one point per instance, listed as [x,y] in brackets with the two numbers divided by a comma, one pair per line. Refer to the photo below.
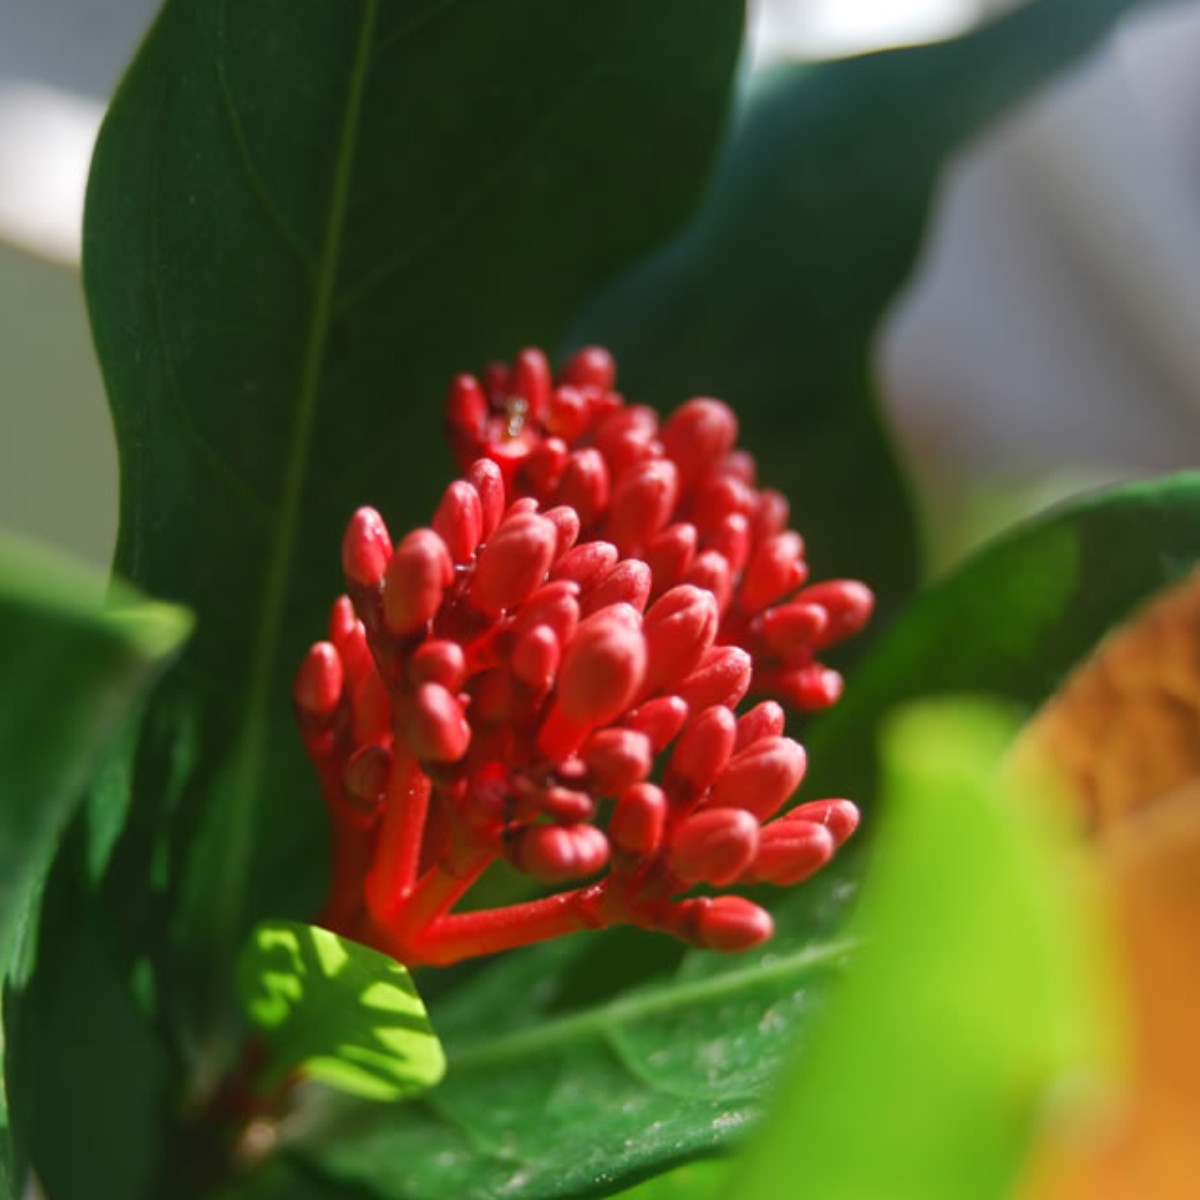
[597,1022]
[248,753]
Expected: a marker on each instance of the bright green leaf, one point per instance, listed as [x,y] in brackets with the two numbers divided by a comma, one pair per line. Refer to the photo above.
[302,221]
[337,1011]
[772,296]
[971,997]
[72,674]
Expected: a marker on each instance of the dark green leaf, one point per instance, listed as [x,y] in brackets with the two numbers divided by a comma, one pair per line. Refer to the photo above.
[1014,618]
[539,1105]
[772,295]
[72,676]
[970,999]
[338,1012]
[302,220]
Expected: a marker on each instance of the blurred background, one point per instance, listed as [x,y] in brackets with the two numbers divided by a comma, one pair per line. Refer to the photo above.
[1049,340]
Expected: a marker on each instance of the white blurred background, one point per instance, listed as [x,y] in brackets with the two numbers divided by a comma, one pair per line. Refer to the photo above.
[1050,340]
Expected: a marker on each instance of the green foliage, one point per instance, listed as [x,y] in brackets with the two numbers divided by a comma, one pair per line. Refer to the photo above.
[302,221]
[337,1012]
[971,932]
[73,674]
[1017,616]
[772,295]
[290,248]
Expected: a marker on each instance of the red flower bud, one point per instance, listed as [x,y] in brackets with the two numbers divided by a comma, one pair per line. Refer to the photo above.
[714,846]
[642,503]
[566,522]
[669,555]
[568,415]
[660,720]
[627,583]
[513,562]
[761,777]
[558,853]
[731,539]
[366,549]
[586,564]
[730,923]
[439,661]
[696,435]
[531,381]
[776,569]
[762,721]
[416,579]
[680,628]
[791,851]
[554,604]
[459,520]
[840,817]
[437,729]
[615,759]
[703,748]
[536,656]
[318,686]
[770,515]
[711,572]
[485,477]
[794,626]
[592,366]
[603,667]
[810,688]
[639,819]
[585,485]
[848,603]
[723,677]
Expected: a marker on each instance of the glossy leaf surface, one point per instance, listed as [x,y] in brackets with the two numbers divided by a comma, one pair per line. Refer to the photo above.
[337,1012]
[301,222]
[772,296]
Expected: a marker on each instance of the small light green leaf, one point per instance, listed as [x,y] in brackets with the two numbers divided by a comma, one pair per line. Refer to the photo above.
[971,997]
[338,1011]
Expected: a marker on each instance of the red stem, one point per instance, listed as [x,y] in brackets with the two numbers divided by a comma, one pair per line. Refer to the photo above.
[394,872]
[488,931]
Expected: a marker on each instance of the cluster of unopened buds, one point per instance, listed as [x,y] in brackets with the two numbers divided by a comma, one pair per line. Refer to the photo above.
[549,675]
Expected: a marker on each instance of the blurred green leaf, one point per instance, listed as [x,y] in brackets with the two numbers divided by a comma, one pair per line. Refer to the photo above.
[1015,617]
[301,222]
[970,999]
[338,1012]
[72,676]
[772,295]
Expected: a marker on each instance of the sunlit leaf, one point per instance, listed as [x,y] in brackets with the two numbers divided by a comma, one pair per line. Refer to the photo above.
[337,1012]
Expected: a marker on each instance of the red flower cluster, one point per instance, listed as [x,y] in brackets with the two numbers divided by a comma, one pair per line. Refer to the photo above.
[549,675]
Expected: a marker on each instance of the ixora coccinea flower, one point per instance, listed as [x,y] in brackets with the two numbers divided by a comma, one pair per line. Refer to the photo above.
[551,674]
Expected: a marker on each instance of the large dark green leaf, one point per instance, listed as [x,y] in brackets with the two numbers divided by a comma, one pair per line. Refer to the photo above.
[772,295]
[973,997]
[72,675]
[338,1012]
[1016,617]
[302,220]
[539,1105]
